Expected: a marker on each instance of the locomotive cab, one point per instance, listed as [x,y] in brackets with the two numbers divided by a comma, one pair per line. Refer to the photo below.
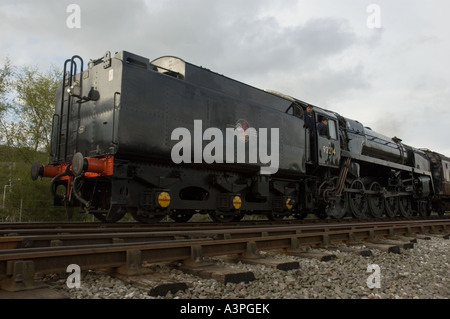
[328,146]
[323,149]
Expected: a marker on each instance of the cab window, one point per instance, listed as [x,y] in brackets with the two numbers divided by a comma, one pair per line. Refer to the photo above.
[446,171]
[298,111]
[332,129]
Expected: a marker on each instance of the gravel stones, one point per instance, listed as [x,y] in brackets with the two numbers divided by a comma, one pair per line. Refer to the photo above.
[419,273]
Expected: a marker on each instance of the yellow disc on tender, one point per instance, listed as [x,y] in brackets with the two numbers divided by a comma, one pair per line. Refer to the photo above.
[289,204]
[164,199]
[237,202]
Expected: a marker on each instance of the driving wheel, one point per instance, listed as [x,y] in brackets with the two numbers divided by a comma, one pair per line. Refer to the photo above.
[375,201]
[405,206]
[357,200]
[337,208]
[391,206]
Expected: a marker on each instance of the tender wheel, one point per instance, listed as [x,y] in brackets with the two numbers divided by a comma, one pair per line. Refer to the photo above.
[116,212]
[405,206]
[274,216]
[391,205]
[337,208]
[144,216]
[301,214]
[357,200]
[375,201]
[100,216]
[238,217]
[181,216]
[222,217]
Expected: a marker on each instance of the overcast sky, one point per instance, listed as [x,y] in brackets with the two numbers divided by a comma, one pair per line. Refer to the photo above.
[390,71]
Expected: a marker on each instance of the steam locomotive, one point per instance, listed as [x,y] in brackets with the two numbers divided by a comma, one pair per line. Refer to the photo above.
[169,138]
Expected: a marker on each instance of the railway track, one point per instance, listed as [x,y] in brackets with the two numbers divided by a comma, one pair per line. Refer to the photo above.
[34,235]
[36,249]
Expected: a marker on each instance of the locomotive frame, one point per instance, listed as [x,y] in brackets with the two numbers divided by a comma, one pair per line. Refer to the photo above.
[112,143]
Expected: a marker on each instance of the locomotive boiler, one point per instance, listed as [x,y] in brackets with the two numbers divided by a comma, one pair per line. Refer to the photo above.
[168,138]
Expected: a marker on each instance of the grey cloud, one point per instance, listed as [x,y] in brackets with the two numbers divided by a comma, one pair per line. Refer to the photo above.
[223,34]
[229,37]
[232,37]
[271,46]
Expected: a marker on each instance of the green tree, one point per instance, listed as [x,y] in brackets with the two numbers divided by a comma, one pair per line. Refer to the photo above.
[6,75]
[27,102]
[33,110]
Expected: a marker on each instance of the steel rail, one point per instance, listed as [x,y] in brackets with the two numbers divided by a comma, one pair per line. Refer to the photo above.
[130,236]
[55,227]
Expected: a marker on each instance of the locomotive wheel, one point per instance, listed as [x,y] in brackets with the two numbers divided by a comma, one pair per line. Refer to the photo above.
[337,208]
[391,205]
[116,212]
[182,216]
[143,216]
[357,200]
[405,206]
[375,202]
[422,209]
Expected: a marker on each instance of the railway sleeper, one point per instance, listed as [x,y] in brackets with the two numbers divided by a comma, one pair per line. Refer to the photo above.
[20,275]
[351,250]
[218,272]
[389,248]
[203,267]
[254,257]
[319,255]
[157,284]
[400,243]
